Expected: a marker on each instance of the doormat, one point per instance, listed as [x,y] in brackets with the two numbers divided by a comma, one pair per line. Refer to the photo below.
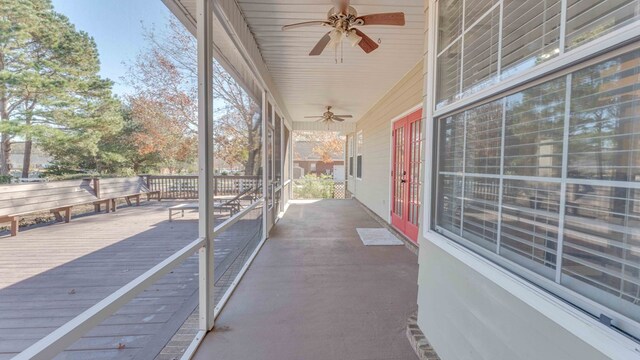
[378,237]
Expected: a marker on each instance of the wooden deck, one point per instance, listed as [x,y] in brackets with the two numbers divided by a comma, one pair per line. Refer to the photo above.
[49,274]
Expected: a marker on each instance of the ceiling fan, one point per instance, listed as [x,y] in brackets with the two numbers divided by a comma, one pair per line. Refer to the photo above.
[344,19]
[329,116]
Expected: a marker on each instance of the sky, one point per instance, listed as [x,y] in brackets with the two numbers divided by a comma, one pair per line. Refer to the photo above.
[117,28]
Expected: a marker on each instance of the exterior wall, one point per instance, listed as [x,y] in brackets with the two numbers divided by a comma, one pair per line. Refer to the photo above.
[373,190]
[467,316]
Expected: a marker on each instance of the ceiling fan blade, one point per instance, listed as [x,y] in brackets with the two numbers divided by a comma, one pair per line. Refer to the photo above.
[344,116]
[367,44]
[314,117]
[304,24]
[321,45]
[396,19]
[337,118]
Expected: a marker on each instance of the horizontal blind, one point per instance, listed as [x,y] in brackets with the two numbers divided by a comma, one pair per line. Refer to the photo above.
[531,33]
[589,19]
[509,201]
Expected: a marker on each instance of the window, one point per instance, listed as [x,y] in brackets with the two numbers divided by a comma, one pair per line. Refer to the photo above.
[359,148]
[350,154]
[477,46]
[547,180]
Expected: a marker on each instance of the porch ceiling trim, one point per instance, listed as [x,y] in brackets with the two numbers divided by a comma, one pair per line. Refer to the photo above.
[344,127]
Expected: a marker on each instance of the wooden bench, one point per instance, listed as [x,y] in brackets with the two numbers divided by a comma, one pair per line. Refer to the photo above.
[58,198]
[232,205]
[181,208]
[127,188]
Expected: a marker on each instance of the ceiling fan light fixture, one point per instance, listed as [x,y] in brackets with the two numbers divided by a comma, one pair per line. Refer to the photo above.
[336,37]
[354,38]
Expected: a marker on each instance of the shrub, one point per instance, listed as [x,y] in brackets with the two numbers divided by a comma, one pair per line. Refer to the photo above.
[314,187]
[5,179]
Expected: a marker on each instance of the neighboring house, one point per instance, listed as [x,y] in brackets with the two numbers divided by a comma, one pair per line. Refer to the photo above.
[308,161]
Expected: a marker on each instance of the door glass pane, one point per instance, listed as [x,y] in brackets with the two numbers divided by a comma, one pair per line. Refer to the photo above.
[399,172]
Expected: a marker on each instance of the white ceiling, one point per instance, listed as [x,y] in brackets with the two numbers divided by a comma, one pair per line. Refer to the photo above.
[307,84]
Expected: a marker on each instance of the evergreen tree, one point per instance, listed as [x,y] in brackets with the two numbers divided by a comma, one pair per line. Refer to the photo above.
[50,90]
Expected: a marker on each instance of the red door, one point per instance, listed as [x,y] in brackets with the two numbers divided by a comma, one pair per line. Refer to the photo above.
[406,179]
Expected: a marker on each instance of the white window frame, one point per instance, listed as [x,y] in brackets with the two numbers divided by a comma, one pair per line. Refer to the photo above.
[606,46]
[351,166]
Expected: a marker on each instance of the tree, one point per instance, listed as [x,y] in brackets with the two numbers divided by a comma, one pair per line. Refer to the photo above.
[119,153]
[238,120]
[162,136]
[167,73]
[328,144]
[50,90]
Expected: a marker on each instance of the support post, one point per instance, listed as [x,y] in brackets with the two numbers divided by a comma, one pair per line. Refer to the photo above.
[15,226]
[265,182]
[205,162]
[96,187]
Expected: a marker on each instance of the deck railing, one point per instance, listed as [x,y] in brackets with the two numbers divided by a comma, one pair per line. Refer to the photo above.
[64,336]
[185,187]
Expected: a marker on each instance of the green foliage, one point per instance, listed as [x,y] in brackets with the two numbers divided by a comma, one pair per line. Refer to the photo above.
[49,78]
[314,187]
[5,179]
[116,153]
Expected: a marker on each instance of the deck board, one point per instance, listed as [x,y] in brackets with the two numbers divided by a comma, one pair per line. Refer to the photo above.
[50,274]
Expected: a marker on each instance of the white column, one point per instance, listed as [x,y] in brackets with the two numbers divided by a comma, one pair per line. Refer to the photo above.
[205,161]
[265,182]
[427,115]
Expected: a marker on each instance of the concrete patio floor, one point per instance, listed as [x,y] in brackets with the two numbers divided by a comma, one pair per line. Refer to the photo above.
[316,292]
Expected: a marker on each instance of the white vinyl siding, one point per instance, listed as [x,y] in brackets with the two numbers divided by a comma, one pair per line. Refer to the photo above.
[374,190]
